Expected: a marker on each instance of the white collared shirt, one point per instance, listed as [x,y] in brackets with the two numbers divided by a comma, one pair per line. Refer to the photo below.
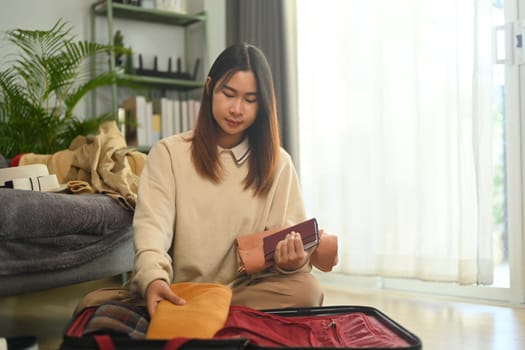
[239,152]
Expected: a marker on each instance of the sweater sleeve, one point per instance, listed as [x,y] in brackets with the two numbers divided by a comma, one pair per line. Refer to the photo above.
[287,206]
[153,222]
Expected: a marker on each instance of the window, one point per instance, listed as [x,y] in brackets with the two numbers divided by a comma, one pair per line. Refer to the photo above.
[417,165]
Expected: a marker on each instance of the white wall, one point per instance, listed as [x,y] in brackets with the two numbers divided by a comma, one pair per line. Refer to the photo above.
[216,10]
[30,14]
[148,39]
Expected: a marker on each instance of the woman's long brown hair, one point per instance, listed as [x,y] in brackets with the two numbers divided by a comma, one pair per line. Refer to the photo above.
[263,134]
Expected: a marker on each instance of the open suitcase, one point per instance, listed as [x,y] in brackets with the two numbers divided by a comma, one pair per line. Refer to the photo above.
[325,327]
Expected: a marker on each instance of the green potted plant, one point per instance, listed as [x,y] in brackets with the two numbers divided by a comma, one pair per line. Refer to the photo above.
[41,87]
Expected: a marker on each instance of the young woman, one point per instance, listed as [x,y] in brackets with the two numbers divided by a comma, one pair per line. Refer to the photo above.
[229,176]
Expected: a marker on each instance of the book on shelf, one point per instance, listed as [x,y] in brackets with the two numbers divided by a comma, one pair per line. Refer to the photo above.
[147,122]
[185,125]
[121,120]
[189,113]
[156,128]
[177,125]
[135,121]
[168,128]
[164,109]
[150,133]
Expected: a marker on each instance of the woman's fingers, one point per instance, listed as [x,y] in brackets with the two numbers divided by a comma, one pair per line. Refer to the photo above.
[294,245]
[175,299]
[289,253]
[157,291]
[152,306]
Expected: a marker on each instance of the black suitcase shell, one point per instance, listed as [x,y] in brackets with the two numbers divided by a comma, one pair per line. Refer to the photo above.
[88,342]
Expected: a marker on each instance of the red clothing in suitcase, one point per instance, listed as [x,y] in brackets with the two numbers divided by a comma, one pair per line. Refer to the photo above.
[328,327]
[323,327]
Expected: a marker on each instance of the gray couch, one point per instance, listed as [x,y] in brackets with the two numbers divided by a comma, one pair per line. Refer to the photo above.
[50,240]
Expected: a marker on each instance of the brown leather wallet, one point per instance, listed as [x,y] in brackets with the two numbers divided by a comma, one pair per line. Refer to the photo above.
[308,230]
[254,255]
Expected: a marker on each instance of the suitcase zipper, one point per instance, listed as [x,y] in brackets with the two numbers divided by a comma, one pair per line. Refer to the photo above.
[335,332]
[331,324]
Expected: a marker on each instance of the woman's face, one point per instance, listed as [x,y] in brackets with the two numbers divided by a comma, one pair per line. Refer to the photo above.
[234,107]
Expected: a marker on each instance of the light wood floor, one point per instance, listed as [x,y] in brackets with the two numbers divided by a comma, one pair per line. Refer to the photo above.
[443,323]
[439,323]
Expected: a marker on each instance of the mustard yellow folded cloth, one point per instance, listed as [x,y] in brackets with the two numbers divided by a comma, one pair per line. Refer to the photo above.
[205,312]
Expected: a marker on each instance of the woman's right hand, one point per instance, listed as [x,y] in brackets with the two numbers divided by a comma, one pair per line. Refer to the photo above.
[157,291]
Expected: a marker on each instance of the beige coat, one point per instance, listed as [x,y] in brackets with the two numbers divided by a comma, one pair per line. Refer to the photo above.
[96,164]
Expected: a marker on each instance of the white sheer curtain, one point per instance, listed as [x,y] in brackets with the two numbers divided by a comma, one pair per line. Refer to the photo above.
[394,104]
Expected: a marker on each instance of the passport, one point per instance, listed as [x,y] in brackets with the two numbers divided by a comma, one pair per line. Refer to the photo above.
[308,230]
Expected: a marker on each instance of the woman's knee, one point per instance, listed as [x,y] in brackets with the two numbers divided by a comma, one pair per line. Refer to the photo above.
[297,290]
[308,291]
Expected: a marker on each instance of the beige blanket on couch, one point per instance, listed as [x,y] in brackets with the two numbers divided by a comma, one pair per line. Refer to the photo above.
[97,164]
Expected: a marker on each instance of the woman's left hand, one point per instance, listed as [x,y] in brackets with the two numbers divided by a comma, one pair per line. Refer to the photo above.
[289,253]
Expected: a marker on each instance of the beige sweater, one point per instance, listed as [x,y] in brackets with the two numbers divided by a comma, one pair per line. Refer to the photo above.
[200,220]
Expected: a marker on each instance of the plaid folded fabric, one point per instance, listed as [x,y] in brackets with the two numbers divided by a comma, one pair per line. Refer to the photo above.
[119,319]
